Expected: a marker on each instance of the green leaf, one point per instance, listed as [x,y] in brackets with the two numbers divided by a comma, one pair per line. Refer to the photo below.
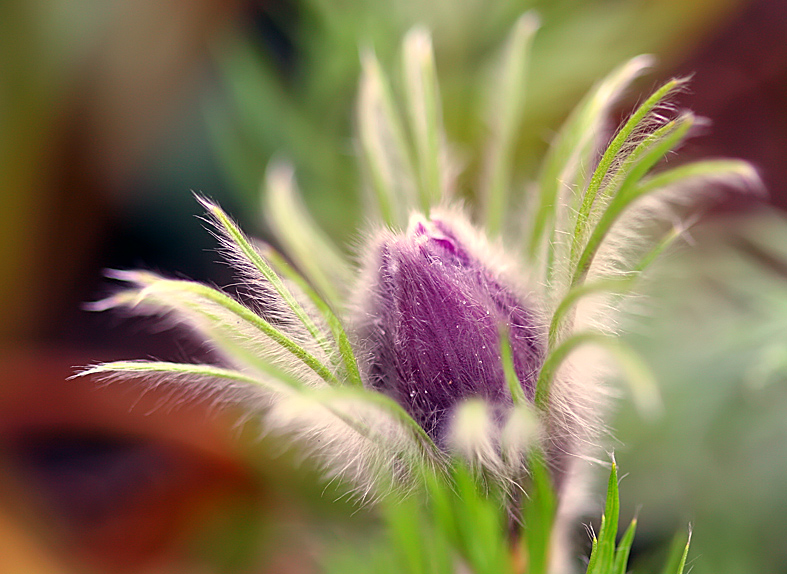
[679,551]
[384,149]
[609,527]
[682,563]
[480,522]
[593,553]
[507,358]
[390,408]
[615,285]
[223,321]
[624,548]
[505,118]
[403,520]
[611,154]
[424,114]
[539,515]
[636,373]
[573,148]
[313,252]
[723,170]
[334,324]
[180,371]
[238,241]
[637,164]
[663,244]
[606,285]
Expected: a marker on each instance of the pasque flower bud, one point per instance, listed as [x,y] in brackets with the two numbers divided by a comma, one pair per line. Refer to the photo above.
[380,404]
[432,308]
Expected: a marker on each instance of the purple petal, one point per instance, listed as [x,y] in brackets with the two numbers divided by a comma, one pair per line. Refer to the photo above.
[430,329]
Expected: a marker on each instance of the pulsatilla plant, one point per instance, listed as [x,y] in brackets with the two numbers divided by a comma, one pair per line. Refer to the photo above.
[451,351]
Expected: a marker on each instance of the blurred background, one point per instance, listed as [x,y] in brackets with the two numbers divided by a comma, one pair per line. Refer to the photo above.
[113,111]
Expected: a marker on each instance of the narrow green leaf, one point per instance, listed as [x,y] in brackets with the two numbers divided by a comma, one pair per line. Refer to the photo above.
[240,241]
[679,550]
[573,148]
[624,549]
[609,526]
[606,285]
[384,148]
[166,368]
[200,377]
[316,256]
[507,358]
[392,408]
[507,96]
[440,498]
[194,302]
[636,373]
[722,169]
[443,534]
[337,329]
[592,563]
[682,564]
[403,520]
[637,164]
[539,515]
[611,153]
[480,524]
[619,285]
[664,243]
[424,113]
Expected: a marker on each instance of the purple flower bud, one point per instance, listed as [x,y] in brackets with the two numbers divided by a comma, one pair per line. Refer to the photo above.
[429,325]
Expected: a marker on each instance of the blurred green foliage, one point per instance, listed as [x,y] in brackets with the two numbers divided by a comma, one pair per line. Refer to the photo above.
[296,98]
